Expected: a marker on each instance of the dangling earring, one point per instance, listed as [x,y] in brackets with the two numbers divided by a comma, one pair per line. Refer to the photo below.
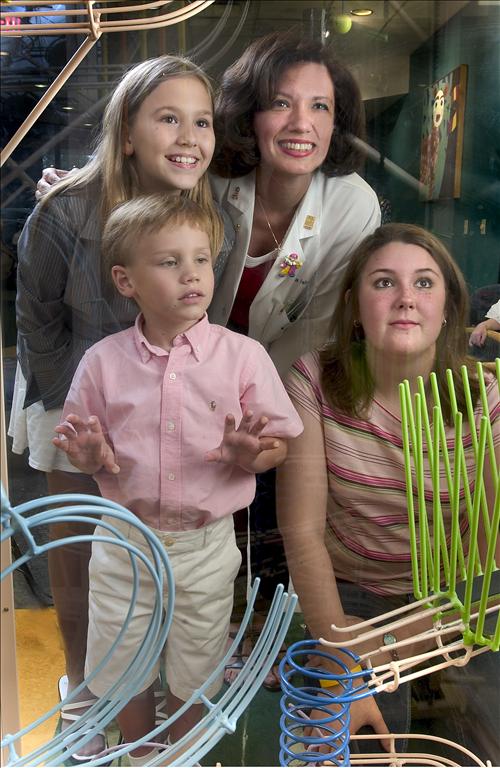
[444,322]
[357,324]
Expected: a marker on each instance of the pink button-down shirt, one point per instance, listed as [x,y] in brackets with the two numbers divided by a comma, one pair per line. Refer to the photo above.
[162,411]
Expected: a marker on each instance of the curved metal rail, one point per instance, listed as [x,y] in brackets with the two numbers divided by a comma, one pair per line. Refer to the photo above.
[221,717]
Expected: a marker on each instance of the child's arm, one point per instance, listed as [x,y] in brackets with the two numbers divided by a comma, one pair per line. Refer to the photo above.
[84,443]
[246,448]
[478,335]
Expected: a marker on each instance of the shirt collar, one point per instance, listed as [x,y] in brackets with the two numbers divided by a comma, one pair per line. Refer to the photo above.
[241,193]
[196,337]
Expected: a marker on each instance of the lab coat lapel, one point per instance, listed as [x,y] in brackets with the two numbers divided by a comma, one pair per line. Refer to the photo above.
[299,239]
[240,200]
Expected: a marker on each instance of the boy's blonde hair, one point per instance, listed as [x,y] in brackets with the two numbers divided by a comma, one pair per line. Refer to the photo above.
[148,214]
[110,167]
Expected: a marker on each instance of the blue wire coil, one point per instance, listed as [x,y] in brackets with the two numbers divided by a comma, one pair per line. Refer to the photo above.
[305,705]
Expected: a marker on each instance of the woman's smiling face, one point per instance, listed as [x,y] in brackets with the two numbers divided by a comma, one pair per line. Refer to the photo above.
[294,134]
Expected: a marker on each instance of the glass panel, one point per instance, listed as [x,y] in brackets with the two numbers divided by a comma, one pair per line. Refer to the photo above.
[429,77]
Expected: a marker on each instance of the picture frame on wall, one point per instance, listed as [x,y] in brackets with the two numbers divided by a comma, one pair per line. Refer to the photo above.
[443,136]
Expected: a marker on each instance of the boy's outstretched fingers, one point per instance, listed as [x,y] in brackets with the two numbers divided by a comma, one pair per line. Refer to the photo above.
[247,424]
[229,423]
[268,443]
[259,425]
[85,444]
[242,444]
[108,460]
[66,431]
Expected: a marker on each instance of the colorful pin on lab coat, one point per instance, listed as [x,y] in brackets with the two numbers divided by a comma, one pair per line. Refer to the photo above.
[290,265]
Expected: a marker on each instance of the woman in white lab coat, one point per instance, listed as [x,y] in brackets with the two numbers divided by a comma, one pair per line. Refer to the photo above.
[286,116]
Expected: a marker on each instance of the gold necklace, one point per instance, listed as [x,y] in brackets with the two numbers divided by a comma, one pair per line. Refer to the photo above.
[278,245]
[290,263]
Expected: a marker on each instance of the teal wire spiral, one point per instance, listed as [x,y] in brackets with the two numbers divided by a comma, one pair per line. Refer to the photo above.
[23,521]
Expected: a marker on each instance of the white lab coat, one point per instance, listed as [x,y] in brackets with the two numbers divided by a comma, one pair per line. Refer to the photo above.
[291,315]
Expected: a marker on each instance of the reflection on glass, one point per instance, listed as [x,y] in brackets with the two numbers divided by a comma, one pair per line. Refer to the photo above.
[287,181]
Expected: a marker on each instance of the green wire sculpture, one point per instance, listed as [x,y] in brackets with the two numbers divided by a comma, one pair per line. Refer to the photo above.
[439,562]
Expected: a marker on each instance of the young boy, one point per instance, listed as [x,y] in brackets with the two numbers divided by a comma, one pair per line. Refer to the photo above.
[152,413]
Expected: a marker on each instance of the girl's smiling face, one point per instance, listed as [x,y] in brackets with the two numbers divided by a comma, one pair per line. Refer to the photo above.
[294,134]
[171,138]
[402,299]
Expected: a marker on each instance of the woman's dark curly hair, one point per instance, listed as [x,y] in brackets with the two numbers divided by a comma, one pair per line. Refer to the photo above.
[249,86]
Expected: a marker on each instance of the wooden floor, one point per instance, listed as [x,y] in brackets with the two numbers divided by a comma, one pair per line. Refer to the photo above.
[40,663]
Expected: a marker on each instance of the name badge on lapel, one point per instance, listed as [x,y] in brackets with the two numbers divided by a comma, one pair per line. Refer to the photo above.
[309,221]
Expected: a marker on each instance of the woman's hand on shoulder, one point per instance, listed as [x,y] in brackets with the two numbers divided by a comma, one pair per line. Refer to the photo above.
[50,176]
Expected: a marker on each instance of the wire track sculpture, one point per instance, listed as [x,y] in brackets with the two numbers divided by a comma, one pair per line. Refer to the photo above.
[221,717]
[91,18]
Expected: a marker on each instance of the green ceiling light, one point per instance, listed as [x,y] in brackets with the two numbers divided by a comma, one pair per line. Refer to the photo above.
[362,12]
[342,22]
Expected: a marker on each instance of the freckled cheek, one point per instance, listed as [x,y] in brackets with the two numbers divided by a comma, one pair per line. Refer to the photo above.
[433,306]
[373,311]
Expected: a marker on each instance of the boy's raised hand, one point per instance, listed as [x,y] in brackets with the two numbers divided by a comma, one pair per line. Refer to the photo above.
[243,445]
[85,445]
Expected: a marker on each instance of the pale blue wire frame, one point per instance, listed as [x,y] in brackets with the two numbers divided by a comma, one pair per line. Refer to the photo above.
[221,717]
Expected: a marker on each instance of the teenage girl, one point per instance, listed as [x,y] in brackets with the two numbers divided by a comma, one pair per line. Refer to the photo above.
[401,314]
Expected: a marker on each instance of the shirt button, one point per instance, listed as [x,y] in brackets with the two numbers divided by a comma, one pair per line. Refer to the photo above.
[168,541]
[170,426]
[171,476]
[172,376]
